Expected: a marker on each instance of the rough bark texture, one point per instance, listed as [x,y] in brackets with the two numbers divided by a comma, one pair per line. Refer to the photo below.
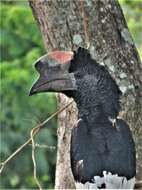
[61,24]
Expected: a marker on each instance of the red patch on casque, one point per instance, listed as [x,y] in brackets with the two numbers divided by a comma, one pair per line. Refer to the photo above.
[61,56]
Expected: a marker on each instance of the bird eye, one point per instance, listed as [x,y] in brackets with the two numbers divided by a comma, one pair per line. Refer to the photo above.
[79,74]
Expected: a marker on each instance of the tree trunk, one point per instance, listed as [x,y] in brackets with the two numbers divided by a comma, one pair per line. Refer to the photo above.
[64,25]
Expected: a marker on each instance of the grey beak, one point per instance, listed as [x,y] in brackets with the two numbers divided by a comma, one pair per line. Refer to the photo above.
[54,73]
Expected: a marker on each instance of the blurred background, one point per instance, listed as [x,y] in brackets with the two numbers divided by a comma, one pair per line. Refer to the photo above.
[20,45]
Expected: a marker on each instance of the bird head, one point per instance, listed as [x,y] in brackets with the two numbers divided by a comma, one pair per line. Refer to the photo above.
[59,71]
[79,76]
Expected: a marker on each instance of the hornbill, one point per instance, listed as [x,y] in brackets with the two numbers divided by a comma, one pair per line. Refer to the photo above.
[102,154]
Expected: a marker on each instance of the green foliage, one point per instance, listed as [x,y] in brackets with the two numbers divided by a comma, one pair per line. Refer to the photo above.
[21,45]
[133,13]
[19,33]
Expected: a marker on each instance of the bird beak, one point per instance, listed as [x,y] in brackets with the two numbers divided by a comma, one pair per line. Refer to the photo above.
[54,73]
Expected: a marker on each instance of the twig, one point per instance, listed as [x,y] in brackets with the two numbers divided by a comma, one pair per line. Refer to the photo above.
[43,146]
[36,130]
[33,159]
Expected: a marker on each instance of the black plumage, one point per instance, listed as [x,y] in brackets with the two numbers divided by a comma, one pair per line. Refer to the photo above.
[96,145]
[101,146]
[95,84]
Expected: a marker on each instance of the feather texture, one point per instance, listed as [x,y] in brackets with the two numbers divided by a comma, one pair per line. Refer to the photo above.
[101,141]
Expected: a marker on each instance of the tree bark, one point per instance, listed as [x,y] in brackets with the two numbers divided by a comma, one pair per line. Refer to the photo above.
[63,25]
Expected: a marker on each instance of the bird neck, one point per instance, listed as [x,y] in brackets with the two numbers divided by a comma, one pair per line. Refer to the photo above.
[89,109]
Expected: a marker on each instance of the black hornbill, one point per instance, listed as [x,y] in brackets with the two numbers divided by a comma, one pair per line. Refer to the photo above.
[102,155]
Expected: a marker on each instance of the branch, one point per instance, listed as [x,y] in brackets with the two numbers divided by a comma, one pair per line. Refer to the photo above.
[36,130]
[33,158]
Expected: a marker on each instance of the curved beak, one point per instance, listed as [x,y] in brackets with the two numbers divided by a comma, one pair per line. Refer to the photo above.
[54,73]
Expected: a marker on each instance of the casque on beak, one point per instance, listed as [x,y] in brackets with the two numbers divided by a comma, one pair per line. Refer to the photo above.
[54,73]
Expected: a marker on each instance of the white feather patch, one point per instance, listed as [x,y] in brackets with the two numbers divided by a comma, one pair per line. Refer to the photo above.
[110,181]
